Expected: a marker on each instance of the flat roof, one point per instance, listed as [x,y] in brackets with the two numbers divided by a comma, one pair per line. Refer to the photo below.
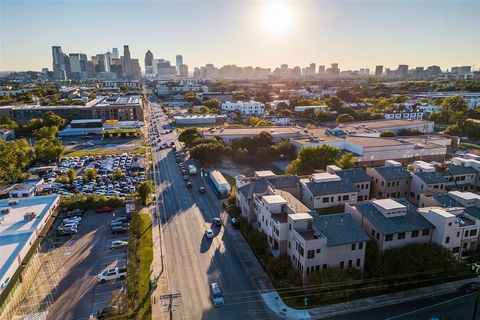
[300,216]
[388,204]
[274,199]
[18,234]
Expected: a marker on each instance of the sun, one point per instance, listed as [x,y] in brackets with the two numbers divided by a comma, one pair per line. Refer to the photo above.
[276,18]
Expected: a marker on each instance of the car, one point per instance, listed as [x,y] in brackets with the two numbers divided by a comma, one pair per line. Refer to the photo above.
[188,185]
[119,224]
[104,210]
[201,190]
[72,142]
[209,234]
[217,222]
[72,219]
[216,294]
[469,287]
[119,230]
[235,223]
[118,244]
[66,231]
[185,178]
[70,225]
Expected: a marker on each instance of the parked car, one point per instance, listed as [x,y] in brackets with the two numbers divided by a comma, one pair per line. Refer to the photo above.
[217,222]
[112,274]
[119,230]
[117,244]
[104,210]
[209,234]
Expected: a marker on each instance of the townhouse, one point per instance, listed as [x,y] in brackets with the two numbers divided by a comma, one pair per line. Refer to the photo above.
[392,223]
[324,190]
[359,178]
[390,180]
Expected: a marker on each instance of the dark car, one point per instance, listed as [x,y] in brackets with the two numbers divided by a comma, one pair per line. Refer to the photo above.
[235,223]
[104,210]
[119,230]
[470,287]
[201,189]
[188,185]
[217,222]
[185,178]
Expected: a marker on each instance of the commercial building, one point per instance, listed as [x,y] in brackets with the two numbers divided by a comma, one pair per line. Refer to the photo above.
[229,134]
[323,108]
[188,120]
[82,127]
[121,129]
[122,108]
[23,225]
[253,108]
[405,115]
[390,180]
[392,223]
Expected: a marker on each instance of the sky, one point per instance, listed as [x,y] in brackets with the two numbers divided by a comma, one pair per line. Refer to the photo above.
[355,34]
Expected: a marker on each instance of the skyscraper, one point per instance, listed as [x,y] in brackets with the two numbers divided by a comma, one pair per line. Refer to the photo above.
[115,54]
[403,71]
[58,64]
[148,62]
[178,62]
[78,66]
[126,62]
[378,71]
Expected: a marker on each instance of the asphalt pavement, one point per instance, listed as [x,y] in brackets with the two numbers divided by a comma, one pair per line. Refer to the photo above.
[192,261]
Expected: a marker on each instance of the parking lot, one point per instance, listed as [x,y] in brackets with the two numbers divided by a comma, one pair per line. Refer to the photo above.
[68,284]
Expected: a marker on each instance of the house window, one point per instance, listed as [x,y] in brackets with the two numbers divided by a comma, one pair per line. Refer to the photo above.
[388,184]
[317,268]
[310,254]
[447,239]
[398,183]
[350,263]
[373,232]
[415,234]
[456,249]
[354,246]
[345,198]
[389,237]
[473,232]
[301,250]
[325,200]
[342,264]
[339,198]
[358,262]
[289,226]
[318,251]
[466,233]
[383,183]
[360,246]
[289,245]
[425,232]
[324,266]
[378,235]
[401,235]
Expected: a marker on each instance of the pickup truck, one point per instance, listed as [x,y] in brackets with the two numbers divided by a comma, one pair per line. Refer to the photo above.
[112,274]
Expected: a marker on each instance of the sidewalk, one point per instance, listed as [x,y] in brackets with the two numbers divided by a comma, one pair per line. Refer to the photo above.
[157,275]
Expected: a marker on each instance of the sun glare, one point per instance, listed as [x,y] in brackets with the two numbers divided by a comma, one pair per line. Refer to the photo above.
[276,18]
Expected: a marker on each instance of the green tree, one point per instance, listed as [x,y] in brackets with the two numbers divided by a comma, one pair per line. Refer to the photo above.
[454,104]
[48,150]
[344,117]
[453,130]
[144,191]
[188,136]
[312,158]
[409,132]
[51,119]
[7,123]
[89,174]
[45,133]
[286,150]
[387,134]
[333,102]
[118,174]
[15,158]
[346,161]
[209,152]
[212,103]
[72,175]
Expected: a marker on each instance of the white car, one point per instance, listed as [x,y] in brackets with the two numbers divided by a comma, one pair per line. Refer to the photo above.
[117,244]
[72,219]
[209,234]
[70,225]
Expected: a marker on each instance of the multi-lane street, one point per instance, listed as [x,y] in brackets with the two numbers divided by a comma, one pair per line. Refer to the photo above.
[191,260]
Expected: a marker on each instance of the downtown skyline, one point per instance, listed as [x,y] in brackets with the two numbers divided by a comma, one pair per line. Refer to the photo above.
[265,34]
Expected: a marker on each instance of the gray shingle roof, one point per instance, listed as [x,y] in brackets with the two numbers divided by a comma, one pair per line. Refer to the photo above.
[339,228]
[410,222]
[457,170]
[431,177]
[393,173]
[261,185]
[331,187]
[357,175]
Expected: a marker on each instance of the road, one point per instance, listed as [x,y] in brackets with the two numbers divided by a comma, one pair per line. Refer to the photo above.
[191,260]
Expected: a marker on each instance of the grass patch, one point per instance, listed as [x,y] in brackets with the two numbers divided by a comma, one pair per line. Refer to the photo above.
[140,254]
[467,145]
[102,152]
[231,180]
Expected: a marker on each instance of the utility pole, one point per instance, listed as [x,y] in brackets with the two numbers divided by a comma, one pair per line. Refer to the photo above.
[170,298]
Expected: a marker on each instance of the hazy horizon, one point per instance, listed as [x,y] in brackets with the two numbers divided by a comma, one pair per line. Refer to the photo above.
[354,34]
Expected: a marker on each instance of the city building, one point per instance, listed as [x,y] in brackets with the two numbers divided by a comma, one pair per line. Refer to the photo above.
[178,62]
[148,62]
[26,188]
[245,108]
[24,224]
[359,178]
[391,180]
[378,71]
[404,114]
[190,120]
[392,223]
[121,129]
[323,108]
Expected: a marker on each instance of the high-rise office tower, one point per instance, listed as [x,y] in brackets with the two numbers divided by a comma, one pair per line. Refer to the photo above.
[126,62]
[115,54]
[58,63]
[178,62]
[183,71]
[102,63]
[378,71]
[78,66]
[313,68]
[403,71]
[321,69]
[148,62]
